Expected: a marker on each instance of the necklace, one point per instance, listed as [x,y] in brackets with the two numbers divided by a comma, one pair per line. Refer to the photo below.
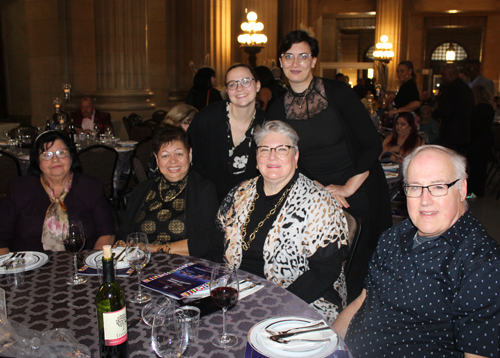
[245,245]
[416,239]
[172,193]
[232,117]
[304,98]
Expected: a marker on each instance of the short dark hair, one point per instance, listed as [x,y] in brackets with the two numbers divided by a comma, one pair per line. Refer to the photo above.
[203,78]
[43,142]
[168,134]
[297,36]
[236,65]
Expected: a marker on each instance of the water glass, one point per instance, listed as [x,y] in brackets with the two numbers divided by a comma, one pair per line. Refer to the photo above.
[149,310]
[192,315]
[14,270]
[169,335]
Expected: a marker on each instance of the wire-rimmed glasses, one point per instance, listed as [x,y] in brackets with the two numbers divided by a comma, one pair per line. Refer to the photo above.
[436,190]
[245,82]
[282,151]
[289,58]
[61,154]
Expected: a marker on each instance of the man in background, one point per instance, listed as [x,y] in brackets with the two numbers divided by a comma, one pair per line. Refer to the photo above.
[475,77]
[88,117]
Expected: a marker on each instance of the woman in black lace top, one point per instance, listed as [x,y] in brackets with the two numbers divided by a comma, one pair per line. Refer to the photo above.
[339,145]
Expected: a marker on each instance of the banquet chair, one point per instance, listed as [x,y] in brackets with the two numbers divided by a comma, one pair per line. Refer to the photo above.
[99,161]
[159,116]
[127,125]
[153,124]
[140,132]
[354,225]
[10,169]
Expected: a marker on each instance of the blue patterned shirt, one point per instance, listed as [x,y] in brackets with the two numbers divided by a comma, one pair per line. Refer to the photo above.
[439,299]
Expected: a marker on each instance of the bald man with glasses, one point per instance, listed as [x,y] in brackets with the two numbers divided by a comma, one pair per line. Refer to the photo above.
[433,283]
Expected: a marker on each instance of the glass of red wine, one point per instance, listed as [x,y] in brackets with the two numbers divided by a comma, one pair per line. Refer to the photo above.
[74,241]
[224,289]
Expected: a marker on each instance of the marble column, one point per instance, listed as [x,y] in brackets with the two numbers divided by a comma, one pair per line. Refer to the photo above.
[220,37]
[389,22]
[121,39]
[293,13]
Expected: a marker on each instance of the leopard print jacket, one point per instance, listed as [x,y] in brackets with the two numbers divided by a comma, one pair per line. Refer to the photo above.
[309,219]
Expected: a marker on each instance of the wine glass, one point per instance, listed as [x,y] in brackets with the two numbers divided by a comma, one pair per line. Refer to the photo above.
[74,241]
[224,289]
[149,310]
[169,335]
[138,254]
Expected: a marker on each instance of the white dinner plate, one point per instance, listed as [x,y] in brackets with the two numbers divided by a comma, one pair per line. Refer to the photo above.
[24,157]
[91,260]
[4,144]
[127,143]
[314,350]
[388,166]
[124,149]
[34,260]
[391,175]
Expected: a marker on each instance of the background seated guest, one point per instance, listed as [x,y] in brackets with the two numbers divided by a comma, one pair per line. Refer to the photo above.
[203,92]
[284,227]
[87,117]
[432,284]
[36,206]
[181,116]
[429,125]
[267,94]
[177,208]
[403,139]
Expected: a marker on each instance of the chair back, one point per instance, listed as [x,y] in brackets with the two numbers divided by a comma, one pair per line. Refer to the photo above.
[140,159]
[99,161]
[354,225]
[127,125]
[153,124]
[140,132]
[10,169]
[159,116]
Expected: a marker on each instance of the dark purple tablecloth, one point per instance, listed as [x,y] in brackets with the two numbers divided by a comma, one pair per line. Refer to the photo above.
[47,302]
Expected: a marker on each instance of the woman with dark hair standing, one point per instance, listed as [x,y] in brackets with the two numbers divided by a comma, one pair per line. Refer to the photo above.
[403,139]
[339,145]
[222,134]
[267,94]
[203,92]
[36,206]
[408,98]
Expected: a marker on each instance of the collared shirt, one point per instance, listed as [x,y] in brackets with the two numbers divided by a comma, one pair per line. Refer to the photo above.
[88,123]
[439,299]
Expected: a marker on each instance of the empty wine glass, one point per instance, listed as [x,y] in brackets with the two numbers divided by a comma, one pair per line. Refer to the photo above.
[138,255]
[149,310]
[224,289]
[74,241]
[169,335]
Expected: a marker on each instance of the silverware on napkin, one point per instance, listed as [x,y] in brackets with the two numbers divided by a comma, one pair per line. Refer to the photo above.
[274,333]
[278,337]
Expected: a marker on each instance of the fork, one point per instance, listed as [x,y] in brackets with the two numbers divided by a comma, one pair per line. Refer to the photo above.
[274,333]
[286,341]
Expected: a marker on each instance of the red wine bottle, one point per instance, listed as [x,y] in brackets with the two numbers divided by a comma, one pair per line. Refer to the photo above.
[111,312]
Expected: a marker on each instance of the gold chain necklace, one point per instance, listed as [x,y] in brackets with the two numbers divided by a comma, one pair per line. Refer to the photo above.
[245,245]
[304,98]
[172,194]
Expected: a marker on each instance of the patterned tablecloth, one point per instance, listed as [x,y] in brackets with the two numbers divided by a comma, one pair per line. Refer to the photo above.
[47,302]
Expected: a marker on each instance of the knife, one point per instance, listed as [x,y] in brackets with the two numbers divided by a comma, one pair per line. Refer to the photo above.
[8,258]
[286,335]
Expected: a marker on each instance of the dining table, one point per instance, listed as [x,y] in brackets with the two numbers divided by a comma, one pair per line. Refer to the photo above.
[47,302]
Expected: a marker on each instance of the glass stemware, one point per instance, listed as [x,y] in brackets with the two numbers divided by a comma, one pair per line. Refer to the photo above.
[169,334]
[74,241]
[224,289]
[138,255]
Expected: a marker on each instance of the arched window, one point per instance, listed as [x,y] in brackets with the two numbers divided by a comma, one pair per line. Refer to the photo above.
[439,53]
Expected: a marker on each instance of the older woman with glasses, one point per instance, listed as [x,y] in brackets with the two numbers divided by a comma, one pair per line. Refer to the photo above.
[221,134]
[36,206]
[339,145]
[284,227]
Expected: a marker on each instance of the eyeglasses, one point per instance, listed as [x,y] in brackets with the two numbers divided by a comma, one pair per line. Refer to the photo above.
[245,82]
[289,58]
[61,154]
[281,151]
[415,191]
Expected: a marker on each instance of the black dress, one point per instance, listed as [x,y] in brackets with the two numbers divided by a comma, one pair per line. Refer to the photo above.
[338,141]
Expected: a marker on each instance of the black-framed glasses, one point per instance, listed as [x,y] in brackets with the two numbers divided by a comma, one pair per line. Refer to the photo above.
[289,58]
[281,151]
[61,154]
[245,82]
[415,191]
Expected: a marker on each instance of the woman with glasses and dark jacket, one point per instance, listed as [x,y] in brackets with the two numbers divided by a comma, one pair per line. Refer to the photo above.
[222,134]
[37,206]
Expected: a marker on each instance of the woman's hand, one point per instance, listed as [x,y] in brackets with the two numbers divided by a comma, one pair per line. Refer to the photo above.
[339,193]
[392,113]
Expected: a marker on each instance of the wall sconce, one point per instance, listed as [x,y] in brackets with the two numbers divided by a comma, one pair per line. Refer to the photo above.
[383,50]
[252,41]
[67,90]
[451,54]
[57,104]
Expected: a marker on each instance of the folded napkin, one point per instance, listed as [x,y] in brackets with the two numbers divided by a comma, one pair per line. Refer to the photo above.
[297,343]
[89,271]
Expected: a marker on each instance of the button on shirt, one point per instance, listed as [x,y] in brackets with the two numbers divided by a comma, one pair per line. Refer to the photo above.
[439,299]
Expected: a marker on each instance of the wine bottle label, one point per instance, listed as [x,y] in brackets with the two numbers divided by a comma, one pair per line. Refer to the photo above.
[115,327]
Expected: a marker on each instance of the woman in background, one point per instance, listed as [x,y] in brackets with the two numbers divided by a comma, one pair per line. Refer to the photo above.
[403,139]
[267,94]
[203,92]
[181,116]
[408,98]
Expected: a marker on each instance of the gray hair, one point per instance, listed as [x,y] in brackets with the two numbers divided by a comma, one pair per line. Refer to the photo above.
[277,127]
[459,162]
